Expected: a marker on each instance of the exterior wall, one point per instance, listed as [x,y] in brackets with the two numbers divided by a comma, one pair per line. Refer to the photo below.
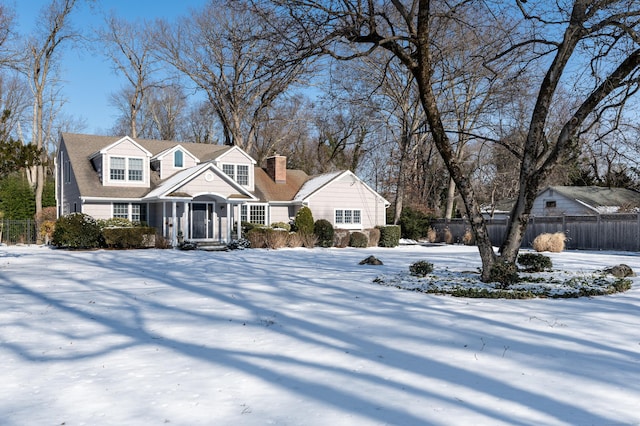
[68,192]
[200,185]
[166,164]
[348,192]
[280,214]
[563,205]
[235,156]
[98,210]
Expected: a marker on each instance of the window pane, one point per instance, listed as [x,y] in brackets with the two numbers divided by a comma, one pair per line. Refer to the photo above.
[117,168]
[347,216]
[121,210]
[257,214]
[243,213]
[228,170]
[138,212]
[339,217]
[135,169]
[243,175]
[356,217]
[177,159]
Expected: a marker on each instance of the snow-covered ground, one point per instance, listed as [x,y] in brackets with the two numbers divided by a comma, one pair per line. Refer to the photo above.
[303,337]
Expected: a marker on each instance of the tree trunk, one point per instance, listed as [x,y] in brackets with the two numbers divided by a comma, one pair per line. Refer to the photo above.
[451,194]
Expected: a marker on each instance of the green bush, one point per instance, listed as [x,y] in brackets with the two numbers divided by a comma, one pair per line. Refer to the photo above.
[16,197]
[414,223]
[358,239]
[128,237]
[504,273]
[535,262]
[421,268]
[77,230]
[281,225]
[389,236]
[303,222]
[323,229]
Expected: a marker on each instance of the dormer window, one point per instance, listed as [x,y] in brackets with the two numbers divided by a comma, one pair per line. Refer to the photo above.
[237,172]
[125,169]
[178,159]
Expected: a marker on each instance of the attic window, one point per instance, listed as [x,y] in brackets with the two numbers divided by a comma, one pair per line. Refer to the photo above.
[550,204]
[178,159]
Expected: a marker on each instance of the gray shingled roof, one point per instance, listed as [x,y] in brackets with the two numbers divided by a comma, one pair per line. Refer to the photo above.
[599,196]
[80,147]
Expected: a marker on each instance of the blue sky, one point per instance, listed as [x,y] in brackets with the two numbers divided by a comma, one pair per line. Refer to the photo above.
[88,78]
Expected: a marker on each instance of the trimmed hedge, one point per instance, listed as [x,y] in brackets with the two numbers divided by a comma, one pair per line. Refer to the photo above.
[129,237]
[389,235]
[358,239]
[323,229]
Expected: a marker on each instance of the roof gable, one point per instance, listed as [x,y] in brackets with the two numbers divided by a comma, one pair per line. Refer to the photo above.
[231,151]
[318,183]
[597,197]
[182,178]
[120,141]
[170,151]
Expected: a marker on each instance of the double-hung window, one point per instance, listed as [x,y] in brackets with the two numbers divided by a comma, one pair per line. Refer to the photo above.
[237,172]
[121,210]
[125,169]
[116,172]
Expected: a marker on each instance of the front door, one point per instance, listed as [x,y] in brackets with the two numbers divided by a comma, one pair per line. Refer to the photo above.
[202,224]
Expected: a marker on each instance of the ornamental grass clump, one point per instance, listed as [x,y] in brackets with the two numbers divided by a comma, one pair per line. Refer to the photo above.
[553,243]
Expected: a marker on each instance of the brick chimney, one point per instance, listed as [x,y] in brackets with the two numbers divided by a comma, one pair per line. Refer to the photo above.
[277,168]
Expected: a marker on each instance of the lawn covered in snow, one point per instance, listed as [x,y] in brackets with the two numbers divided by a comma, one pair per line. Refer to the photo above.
[303,337]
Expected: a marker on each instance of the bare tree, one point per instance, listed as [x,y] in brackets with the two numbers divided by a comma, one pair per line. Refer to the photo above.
[129,49]
[602,34]
[53,30]
[232,58]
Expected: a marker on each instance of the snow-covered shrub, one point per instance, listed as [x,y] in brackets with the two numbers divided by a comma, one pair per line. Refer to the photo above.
[323,229]
[535,262]
[239,244]
[550,242]
[421,268]
[281,225]
[78,231]
[358,239]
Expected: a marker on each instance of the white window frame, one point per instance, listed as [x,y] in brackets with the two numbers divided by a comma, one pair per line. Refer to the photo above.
[347,218]
[232,170]
[127,170]
[120,214]
[130,211]
[246,213]
[175,156]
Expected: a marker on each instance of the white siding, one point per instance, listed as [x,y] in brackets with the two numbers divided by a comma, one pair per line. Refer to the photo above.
[280,214]
[235,156]
[98,210]
[200,185]
[166,164]
[563,205]
[348,193]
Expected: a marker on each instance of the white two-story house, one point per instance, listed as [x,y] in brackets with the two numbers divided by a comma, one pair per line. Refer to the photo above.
[201,192]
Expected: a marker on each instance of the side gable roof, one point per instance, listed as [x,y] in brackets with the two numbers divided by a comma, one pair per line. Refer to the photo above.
[599,198]
[317,183]
[80,148]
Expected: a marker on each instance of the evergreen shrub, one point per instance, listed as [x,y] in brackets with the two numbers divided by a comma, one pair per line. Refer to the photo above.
[323,229]
[535,262]
[129,237]
[421,268]
[389,235]
[303,222]
[504,274]
[414,223]
[77,231]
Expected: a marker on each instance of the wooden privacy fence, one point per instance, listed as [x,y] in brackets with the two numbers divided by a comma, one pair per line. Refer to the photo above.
[598,232]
